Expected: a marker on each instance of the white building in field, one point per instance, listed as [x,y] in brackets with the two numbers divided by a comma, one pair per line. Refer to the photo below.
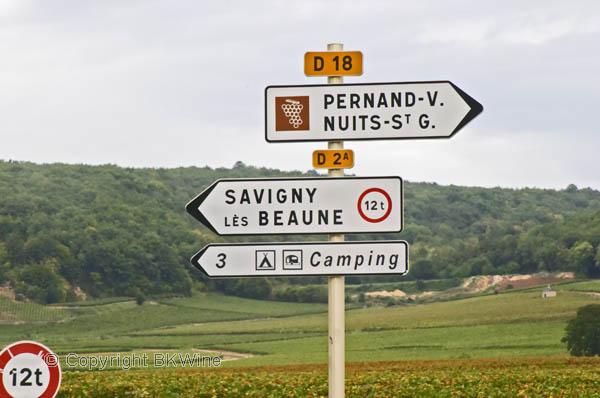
[548,292]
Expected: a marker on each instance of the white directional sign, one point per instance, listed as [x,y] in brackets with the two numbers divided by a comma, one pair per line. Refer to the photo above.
[372,111]
[300,205]
[303,258]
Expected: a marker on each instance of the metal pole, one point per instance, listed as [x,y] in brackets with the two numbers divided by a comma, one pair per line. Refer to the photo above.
[336,286]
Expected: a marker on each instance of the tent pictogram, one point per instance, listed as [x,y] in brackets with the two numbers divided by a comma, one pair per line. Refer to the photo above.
[265,260]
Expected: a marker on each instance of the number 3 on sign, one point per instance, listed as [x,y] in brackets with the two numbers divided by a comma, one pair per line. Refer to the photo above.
[221,263]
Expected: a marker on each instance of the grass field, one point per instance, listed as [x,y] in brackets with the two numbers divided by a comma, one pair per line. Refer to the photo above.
[498,378]
[477,346]
[13,311]
[584,286]
[113,326]
[512,324]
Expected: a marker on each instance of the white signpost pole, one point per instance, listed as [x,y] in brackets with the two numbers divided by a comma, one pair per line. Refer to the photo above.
[336,355]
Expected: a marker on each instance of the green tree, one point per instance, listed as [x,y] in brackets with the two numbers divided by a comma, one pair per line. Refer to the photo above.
[478,264]
[511,268]
[581,258]
[572,188]
[312,294]
[583,332]
[257,288]
[42,284]
[423,269]
[140,298]
[108,229]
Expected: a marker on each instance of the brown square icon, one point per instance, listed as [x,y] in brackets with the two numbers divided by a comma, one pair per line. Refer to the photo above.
[291,113]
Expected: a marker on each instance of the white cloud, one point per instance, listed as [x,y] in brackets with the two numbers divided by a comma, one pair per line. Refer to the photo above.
[158,83]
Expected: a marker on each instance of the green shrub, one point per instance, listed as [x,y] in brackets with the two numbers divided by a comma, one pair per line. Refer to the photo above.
[583,332]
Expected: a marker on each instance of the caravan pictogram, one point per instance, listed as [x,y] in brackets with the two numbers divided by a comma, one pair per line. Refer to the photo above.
[292,260]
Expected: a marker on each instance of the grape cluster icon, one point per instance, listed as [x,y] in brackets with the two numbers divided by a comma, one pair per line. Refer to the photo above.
[292,110]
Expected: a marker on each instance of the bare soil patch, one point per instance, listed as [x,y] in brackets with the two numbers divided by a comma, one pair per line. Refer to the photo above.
[535,280]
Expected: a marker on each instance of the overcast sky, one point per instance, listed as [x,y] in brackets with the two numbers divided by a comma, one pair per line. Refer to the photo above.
[181,83]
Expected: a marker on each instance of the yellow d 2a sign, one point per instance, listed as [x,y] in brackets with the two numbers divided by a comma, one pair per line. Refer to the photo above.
[333,63]
[333,159]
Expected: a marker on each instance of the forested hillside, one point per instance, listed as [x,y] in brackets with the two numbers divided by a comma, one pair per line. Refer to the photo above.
[459,231]
[119,231]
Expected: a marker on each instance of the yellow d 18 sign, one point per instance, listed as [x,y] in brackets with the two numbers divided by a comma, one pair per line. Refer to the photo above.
[333,63]
[333,159]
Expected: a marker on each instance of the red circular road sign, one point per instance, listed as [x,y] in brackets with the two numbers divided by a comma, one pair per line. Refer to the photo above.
[29,369]
[388,210]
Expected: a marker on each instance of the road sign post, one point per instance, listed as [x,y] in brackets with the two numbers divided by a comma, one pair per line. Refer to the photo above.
[333,112]
[335,286]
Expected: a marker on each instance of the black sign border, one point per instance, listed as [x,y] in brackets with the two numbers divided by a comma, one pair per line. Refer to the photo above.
[194,204]
[196,257]
[476,109]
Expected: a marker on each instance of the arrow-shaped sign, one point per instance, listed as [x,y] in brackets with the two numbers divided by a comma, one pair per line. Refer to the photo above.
[274,206]
[303,258]
[372,111]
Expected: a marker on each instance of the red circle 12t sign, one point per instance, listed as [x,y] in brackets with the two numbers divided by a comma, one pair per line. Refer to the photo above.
[29,370]
[374,205]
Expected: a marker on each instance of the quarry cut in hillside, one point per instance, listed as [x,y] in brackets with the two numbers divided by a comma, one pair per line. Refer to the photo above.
[481,283]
